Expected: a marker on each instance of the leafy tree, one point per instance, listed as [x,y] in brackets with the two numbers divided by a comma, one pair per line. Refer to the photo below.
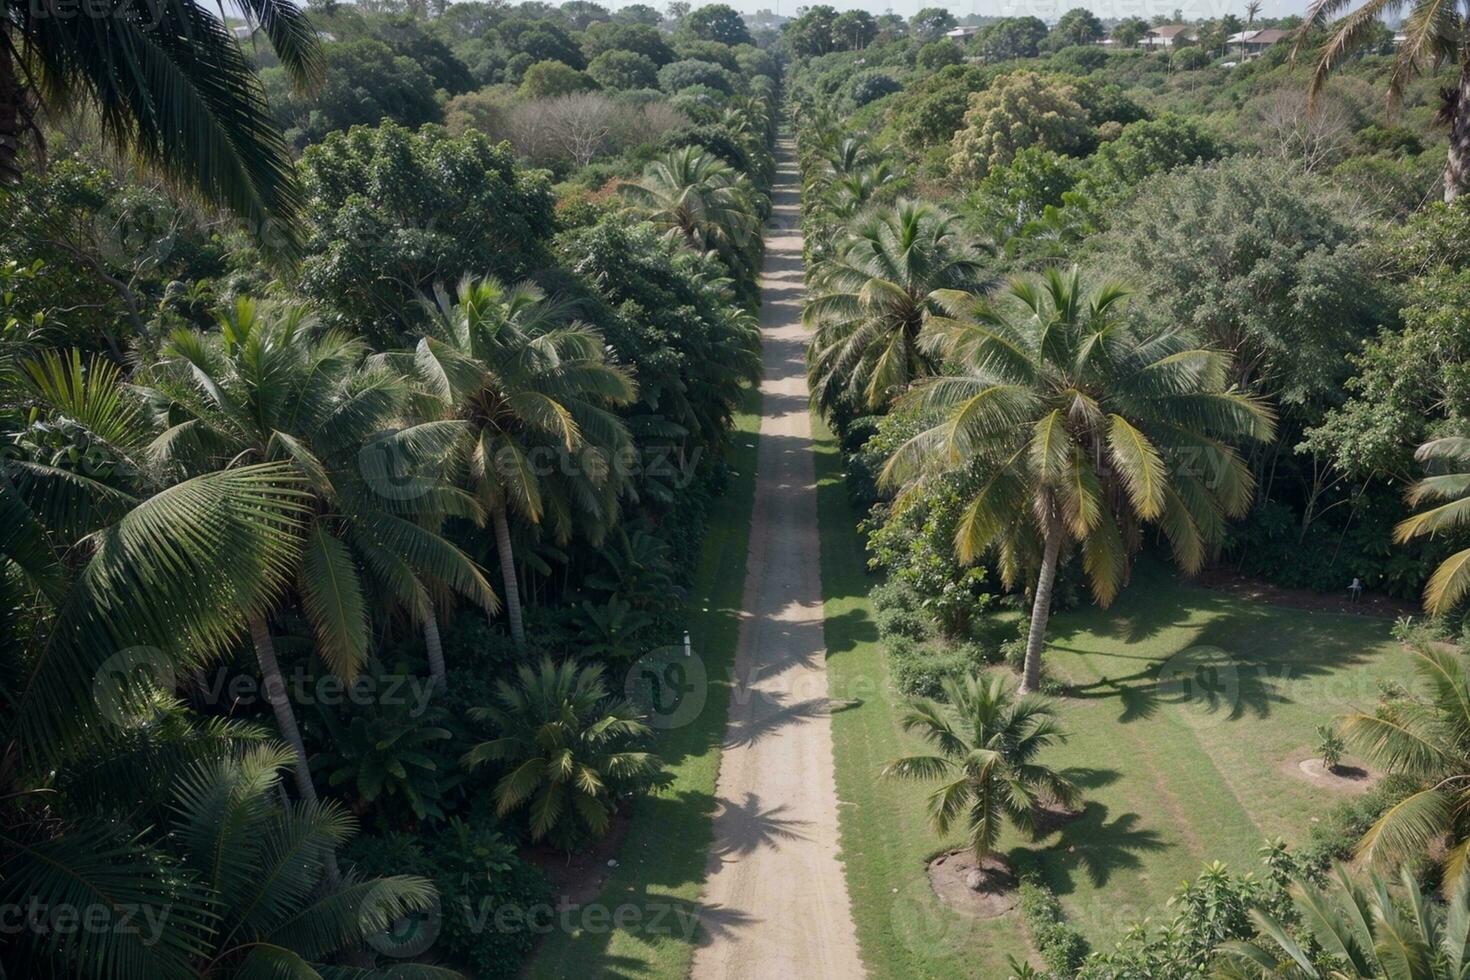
[1261,263]
[623,70]
[679,75]
[636,38]
[1073,428]
[853,30]
[811,33]
[988,741]
[541,40]
[638,13]
[1012,37]
[549,79]
[1434,33]
[1129,31]
[717,22]
[379,200]
[517,379]
[931,23]
[1189,59]
[1012,196]
[891,274]
[1018,110]
[1143,149]
[567,749]
[1362,932]
[171,84]
[872,86]
[939,54]
[582,14]
[365,83]
[1077,26]
[407,38]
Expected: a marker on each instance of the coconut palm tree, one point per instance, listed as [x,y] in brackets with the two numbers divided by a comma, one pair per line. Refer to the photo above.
[893,271]
[1073,429]
[109,559]
[1252,8]
[268,387]
[565,744]
[850,193]
[987,739]
[708,202]
[168,82]
[1450,581]
[1425,736]
[1436,32]
[506,367]
[1367,933]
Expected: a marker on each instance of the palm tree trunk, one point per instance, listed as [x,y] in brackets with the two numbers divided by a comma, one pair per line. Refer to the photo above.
[435,651]
[1457,113]
[275,693]
[508,577]
[13,111]
[1041,604]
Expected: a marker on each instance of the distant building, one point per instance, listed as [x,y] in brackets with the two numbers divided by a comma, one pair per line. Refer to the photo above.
[1254,43]
[1165,36]
[962,33]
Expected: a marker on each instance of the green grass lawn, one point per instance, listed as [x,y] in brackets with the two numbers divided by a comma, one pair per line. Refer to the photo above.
[1187,706]
[662,860]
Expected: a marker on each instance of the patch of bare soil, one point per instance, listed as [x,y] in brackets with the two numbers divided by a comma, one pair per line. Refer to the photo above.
[578,877]
[984,891]
[1343,779]
[1244,587]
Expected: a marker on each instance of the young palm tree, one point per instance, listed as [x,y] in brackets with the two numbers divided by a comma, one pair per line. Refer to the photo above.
[1367,933]
[266,388]
[168,82]
[988,739]
[1428,738]
[518,380]
[1451,580]
[1436,32]
[1072,429]
[893,272]
[565,744]
[707,201]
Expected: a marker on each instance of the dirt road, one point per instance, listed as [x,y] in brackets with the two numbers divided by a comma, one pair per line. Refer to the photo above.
[774,866]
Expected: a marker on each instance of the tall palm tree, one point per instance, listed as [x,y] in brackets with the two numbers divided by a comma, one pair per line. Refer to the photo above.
[707,201]
[1436,32]
[1451,580]
[1073,429]
[893,272]
[987,739]
[266,387]
[1425,736]
[1367,933]
[566,745]
[503,363]
[167,81]
[1252,8]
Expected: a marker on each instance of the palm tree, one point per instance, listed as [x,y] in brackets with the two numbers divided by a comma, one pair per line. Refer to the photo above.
[848,194]
[267,388]
[1436,32]
[1070,428]
[1366,933]
[707,201]
[168,82]
[892,273]
[565,744]
[230,885]
[987,741]
[518,380]
[1427,737]
[1252,8]
[1451,579]
[109,559]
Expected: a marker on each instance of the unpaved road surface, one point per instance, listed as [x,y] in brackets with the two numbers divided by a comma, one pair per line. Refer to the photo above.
[773,869]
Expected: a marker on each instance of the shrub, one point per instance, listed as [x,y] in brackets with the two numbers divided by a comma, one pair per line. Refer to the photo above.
[920,669]
[937,54]
[477,873]
[1060,945]
[1329,746]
